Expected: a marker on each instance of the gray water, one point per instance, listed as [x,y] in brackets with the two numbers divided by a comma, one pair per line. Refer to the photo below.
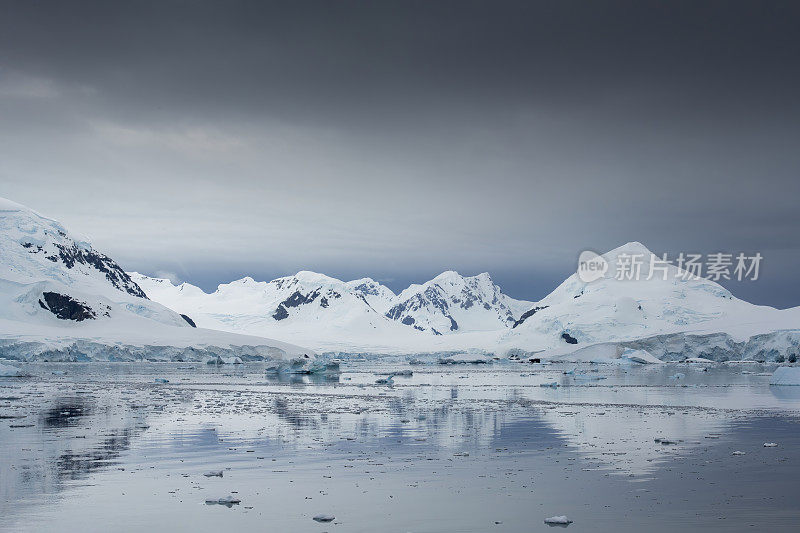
[448,449]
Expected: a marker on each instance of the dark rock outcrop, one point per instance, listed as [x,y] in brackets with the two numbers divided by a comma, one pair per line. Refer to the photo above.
[72,255]
[527,314]
[67,308]
[280,313]
[569,339]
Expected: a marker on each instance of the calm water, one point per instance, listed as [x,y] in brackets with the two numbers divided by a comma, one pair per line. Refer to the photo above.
[84,447]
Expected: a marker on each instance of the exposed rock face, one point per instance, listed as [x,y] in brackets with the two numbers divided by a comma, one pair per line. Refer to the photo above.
[69,254]
[188,320]
[569,339]
[67,308]
[527,314]
[298,298]
[431,298]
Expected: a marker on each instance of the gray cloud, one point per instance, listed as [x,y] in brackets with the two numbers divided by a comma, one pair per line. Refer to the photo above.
[217,139]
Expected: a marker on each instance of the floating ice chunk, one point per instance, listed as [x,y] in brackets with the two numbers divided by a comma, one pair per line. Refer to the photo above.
[273,368]
[227,501]
[739,452]
[770,444]
[233,360]
[698,360]
[8,371]
[324,518]
[643,357]
[786,375]
[161,380]
[213,473]
[324,368]
[552,384]
[465,359]
[589,377]
[678,375]
[302,366]
[558,521]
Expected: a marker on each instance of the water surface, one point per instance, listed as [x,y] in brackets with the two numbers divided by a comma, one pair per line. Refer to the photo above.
[450,448]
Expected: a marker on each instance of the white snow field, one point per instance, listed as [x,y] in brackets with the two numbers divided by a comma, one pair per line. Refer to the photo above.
[60,299]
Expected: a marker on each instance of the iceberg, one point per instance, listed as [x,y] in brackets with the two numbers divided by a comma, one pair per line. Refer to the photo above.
[786,375]
[465,359]
[558,520]
[227,501]
[8,371]
[642,357]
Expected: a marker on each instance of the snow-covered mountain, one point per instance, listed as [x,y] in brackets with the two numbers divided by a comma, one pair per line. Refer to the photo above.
[331,314]
[450,303]
[671,315]
[62,299]
[324,311]
[378,296]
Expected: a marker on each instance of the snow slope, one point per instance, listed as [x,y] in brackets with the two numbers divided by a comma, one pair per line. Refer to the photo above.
[60,299]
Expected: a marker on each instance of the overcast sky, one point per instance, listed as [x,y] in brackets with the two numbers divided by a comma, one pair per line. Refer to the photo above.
[213,140]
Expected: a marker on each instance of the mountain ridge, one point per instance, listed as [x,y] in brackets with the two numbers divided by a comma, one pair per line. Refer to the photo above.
[452,312]
[425,307]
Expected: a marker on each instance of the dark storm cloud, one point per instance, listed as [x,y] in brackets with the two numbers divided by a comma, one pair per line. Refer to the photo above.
[397,139]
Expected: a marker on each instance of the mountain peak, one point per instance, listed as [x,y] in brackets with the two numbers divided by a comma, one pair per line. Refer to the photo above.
[9,206]
[448,275]
[34,247]
[629,248]
[309,276]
